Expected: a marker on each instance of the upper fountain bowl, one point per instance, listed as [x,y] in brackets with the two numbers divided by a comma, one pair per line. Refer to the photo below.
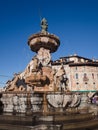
[45,40]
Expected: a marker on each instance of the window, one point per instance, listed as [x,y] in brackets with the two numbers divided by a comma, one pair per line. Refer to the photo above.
[85,78]
[85,75]
[76,76]
[92,75]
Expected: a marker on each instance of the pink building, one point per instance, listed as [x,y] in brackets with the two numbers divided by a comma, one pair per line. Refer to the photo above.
[81,72]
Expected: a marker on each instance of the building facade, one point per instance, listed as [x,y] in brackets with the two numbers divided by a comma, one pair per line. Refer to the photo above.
[81,72]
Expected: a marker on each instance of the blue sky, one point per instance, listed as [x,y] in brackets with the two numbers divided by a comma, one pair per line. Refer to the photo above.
[75,22]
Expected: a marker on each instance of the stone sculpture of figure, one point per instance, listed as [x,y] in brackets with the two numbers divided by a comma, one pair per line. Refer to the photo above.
[40,54]
[44,56]
[11,86]
[35,64]
[59,78]
[44,25]
[32,66]
[16,84]
[64,82]
[47,71]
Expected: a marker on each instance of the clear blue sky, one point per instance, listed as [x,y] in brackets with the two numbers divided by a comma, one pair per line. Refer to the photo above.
[75,22]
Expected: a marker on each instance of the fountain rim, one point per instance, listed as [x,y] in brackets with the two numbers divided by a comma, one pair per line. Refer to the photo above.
[52,36]
[52,44]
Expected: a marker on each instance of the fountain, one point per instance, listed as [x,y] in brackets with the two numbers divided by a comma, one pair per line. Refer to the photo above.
[39,99]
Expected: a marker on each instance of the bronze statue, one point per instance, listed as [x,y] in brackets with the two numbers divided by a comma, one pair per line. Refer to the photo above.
[44,25]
